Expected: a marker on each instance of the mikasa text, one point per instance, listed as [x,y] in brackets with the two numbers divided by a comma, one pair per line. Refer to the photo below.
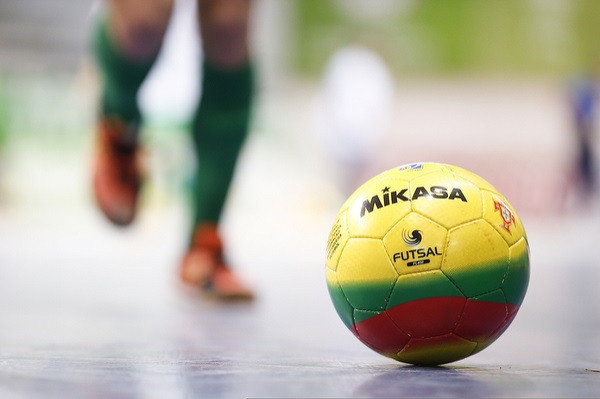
[390,198]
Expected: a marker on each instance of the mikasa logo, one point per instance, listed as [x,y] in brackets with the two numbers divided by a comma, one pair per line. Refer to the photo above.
[390,198]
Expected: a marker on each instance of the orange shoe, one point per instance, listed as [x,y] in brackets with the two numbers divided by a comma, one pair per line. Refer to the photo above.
[203,267]
[117,172]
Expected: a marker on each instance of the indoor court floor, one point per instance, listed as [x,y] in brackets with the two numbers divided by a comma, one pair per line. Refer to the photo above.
[89,311]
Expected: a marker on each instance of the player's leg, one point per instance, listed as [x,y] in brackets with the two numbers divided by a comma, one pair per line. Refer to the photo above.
[127,41]
[220,127]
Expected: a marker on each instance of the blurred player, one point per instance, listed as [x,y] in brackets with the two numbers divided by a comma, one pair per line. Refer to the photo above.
[127,42]
[583,107]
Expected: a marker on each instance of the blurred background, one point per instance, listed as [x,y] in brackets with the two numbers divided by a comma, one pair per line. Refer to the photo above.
[353,87]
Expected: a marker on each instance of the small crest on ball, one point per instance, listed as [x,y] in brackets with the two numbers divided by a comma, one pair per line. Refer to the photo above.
[508,219]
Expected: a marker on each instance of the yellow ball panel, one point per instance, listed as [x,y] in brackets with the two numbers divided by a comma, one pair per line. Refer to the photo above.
[517,279]
[331,277]
[476,258]
[415,244]
[364,260]
[447,199]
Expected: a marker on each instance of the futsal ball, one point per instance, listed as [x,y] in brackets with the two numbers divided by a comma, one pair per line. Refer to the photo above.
[427,263]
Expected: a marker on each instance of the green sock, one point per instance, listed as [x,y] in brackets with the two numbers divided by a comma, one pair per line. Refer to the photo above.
[219,129]
[122,76]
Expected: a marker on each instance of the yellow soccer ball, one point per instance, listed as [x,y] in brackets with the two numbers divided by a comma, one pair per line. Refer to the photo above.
[427,263]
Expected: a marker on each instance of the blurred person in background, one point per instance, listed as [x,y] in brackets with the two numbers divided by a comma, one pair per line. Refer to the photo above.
[127,41]
[583,103]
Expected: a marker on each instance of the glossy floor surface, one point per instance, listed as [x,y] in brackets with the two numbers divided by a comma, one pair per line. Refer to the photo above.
[89,311]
